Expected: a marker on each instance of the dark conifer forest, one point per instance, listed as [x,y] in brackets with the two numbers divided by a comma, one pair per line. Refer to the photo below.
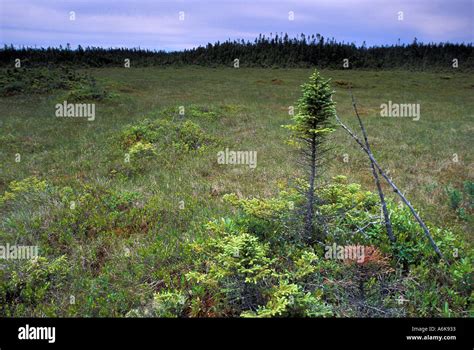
[273,51]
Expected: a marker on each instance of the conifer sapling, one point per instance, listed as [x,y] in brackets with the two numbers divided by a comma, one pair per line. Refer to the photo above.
[311,125]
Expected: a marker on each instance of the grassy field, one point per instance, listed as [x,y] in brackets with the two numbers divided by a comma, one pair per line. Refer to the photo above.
[248,106]
[419,154]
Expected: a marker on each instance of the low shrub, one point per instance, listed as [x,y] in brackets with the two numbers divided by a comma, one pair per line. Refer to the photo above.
[243,269]
[31,287]
[181,137]
[43,80]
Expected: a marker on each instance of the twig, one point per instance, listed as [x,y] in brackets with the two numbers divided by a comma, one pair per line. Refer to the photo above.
[361,229]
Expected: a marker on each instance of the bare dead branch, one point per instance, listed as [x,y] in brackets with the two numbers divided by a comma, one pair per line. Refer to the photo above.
[388,223]
[395,188]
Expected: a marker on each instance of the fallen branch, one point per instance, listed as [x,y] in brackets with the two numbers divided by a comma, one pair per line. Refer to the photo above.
[388,223]
[395,188]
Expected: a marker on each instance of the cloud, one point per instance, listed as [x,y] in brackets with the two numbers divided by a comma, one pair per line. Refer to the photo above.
[156,24]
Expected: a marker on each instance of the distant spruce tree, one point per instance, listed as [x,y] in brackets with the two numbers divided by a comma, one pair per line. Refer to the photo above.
[311,125]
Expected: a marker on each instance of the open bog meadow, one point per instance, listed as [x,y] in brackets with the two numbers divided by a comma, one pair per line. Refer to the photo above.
[244,109]
[118,203]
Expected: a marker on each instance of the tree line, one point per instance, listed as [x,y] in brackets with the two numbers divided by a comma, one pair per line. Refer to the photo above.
[274,51]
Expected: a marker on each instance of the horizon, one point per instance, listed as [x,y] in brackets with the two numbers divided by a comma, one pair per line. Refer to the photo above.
[64,46]
[177,26]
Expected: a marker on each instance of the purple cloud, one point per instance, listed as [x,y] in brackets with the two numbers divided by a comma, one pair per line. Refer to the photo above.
[157,24]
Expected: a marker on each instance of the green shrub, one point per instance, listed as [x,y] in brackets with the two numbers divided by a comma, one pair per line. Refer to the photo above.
[250,263]
[237,275]
[455,197]
[462,200]
[201,112]
[271,219]
[142,150]
[30,287]
[440,290]
[289,300]
[28,187]
[183,137]
[44,80]
[87,92]
[243,269]
[165,304]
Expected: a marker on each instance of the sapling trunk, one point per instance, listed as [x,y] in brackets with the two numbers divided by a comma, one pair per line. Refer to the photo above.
[311,125]
[309,223]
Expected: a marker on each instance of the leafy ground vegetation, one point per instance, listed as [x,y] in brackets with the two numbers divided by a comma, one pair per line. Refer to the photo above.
[80,87]
[134,216]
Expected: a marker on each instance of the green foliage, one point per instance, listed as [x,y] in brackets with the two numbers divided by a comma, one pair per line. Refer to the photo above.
[184,136]
[31,286]
[97,211]
[190,137]
[462,200]
[242,269]
[168,304]
[89,91]
[348,208]
[290,300]
[153,143]
[277,51]
[266,209]
[311,124]
[240,276]
[201,112]
[21,188]
[165,304]
[90,225]
[441,290]
[60,215]
[44,80]
[142,150]
[239,255]
[455,197]
[269,218]
[316,111]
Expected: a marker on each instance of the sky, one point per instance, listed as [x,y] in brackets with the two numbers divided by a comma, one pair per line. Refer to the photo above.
[180,24]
